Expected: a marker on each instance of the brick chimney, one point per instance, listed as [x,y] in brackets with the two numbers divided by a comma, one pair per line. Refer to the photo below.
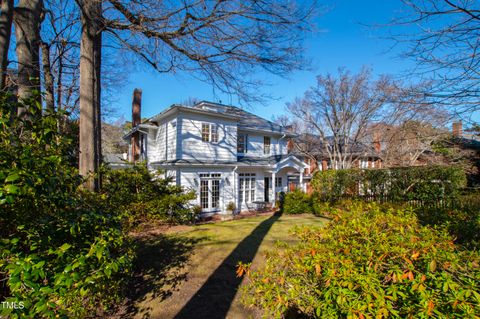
[136,120]
[457,129]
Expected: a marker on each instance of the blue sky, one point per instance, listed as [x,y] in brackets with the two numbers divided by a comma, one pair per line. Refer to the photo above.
[342,40]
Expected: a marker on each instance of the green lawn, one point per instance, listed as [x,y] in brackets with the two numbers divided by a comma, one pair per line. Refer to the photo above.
[189,272]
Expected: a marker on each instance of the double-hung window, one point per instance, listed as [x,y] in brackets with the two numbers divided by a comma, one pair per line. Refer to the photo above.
[278,182]
[266,145]
[242,143]
[247,187]
[209,132]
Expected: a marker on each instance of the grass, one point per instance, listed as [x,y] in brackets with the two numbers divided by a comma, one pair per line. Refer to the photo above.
[189,272]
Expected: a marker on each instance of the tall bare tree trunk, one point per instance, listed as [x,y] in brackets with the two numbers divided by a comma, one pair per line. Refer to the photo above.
[98,109]
[27,18]
[48,77]
[59,82]
[5,32]
[90,53]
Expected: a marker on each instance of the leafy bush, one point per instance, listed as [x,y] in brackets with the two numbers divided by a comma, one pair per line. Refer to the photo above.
[462,220]
[140,196]
[297,202]
[60,255]
[426,183]
[368,263]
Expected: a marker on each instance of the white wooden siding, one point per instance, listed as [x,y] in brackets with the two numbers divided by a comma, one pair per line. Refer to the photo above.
[192,146]
[255,145]
[163,141]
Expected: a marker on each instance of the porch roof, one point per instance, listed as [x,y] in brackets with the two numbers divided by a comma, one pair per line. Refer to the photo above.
[272,162]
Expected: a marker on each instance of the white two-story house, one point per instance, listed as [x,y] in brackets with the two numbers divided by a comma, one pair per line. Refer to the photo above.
[224,153]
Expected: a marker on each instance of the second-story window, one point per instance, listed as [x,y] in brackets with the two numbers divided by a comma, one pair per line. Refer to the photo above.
[209,132]
[242,144]
[266,144]
[214,133]
[206,132]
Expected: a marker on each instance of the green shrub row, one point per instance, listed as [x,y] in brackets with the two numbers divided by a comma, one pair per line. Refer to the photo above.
[139,195]
[425,183]
[368,262]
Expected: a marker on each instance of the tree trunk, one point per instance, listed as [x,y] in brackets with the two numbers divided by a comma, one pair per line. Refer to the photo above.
[98,109]
[48,77]
[27,18]
[59,82]
[90,53]
[5,32]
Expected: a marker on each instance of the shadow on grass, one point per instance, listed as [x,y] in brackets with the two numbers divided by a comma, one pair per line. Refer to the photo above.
[159,269]
[214,298]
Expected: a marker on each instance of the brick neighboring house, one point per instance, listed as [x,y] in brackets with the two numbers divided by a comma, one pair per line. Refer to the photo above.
[364,156]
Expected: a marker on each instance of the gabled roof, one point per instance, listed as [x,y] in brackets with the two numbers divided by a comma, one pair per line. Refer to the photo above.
[142,128]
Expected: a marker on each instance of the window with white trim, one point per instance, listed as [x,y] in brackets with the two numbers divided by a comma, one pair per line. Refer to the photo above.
[266,145]
[214,133]
[242,143]
[247,185]
[205,132]
[209,132]
[278,182]
[210,191]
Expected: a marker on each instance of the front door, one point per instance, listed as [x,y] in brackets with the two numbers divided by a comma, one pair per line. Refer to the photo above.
[210,193]
[266,189]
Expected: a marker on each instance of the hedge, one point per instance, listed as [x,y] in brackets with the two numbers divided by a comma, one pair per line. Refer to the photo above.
[425,183]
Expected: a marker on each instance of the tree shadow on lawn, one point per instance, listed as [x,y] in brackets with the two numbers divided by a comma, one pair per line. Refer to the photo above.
[158,269]
[214,298]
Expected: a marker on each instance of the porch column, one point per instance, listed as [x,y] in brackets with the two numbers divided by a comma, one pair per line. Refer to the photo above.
[301,180]
[274,195]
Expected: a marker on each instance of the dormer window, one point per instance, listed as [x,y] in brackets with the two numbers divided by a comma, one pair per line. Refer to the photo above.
[209,132]
[242,144]
[266,145]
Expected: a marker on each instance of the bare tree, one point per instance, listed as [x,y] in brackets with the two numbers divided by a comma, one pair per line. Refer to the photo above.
[6,16]
[217,41]
[338,110]
[27,19]
[442,37]
[191,101]
[410,143]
